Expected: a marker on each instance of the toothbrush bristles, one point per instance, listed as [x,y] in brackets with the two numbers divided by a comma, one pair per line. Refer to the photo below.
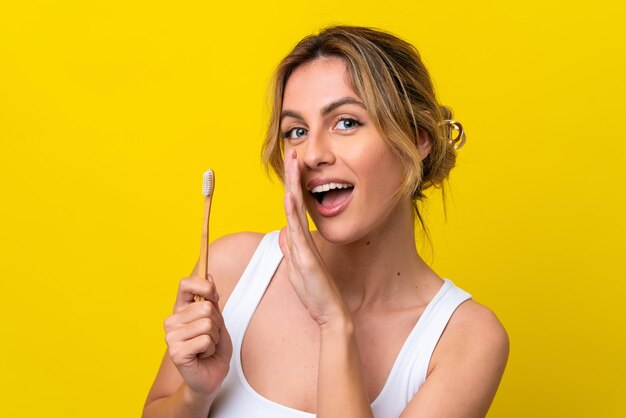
[207,183]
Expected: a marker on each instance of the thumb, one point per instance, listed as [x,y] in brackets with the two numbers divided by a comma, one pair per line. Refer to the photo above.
[282,242]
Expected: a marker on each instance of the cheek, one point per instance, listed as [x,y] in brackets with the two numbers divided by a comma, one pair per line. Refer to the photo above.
[389,175]
[381,162]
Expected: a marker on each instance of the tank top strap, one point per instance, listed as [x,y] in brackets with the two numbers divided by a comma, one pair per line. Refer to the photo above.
[408,373]
[251,287]
[434,324]
[411,366]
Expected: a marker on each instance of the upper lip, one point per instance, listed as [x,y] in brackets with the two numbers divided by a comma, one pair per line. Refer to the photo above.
[325,180]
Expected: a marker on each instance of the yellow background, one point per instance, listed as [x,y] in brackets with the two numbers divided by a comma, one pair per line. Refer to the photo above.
[110,111]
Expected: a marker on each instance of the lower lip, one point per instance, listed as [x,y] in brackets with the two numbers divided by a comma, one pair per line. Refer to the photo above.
[329,212]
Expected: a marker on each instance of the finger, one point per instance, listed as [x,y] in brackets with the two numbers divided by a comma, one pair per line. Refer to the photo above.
[219,339]
[291,168]
[283,242]
[214,296]
[191,313]
[194,329]
[184,353]
[201,345]
[294,206]
[224,349]
[295,188]
[195,285]
[293,221]
[298,244]
[191,286]
[289,155]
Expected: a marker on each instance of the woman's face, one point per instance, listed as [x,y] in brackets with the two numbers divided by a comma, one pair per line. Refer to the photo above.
[349,176]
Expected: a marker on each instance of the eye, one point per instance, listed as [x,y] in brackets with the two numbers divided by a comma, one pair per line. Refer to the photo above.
[347,124]
[294,133]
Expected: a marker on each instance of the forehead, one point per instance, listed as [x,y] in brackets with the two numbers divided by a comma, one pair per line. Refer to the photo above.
[317,83]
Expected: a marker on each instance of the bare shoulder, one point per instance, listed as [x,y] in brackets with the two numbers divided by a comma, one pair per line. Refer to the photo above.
[476,321]
[228,258]
[473,332]
[469,361]
[230,254]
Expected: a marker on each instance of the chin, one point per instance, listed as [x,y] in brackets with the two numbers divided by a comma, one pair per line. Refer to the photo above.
[339,233]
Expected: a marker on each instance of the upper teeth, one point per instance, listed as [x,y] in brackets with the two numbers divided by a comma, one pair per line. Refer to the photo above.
[329,186]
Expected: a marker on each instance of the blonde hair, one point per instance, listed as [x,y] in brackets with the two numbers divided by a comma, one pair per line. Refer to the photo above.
[387,73]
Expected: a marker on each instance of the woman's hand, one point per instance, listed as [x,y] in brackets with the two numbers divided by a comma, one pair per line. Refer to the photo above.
[198,342]
[307,273]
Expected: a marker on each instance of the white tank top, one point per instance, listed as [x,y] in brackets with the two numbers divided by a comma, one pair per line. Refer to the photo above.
[237,399]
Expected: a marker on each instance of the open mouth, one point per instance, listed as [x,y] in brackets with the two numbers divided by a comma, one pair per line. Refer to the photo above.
[331,194]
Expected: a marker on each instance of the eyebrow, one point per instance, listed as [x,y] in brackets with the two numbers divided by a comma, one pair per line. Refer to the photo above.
[326,109]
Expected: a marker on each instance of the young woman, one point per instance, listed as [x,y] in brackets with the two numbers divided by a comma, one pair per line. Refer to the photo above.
[347,321]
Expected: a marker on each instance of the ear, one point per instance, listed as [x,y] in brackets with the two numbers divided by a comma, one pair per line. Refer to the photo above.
[424,144]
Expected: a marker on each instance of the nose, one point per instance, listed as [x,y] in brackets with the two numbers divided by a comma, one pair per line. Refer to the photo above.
[317,151]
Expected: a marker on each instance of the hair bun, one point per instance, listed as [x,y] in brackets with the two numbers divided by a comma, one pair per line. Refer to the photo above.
[446,112]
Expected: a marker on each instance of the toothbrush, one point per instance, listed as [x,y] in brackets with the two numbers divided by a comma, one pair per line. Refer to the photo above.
[208,184]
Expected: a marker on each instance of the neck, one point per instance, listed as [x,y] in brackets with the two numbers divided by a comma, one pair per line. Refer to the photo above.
[383,268]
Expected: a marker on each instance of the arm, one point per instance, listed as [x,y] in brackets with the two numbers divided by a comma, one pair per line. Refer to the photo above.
[341,390]
[465,371]
[466,367]
[181,402]
[173,395]
[198,356]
